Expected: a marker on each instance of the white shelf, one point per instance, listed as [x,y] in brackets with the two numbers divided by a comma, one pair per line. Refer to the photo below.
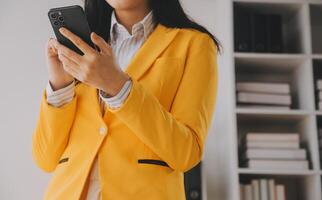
[292,69]
[300,67]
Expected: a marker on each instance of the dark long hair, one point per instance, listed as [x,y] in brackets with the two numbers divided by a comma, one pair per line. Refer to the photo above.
[166,12]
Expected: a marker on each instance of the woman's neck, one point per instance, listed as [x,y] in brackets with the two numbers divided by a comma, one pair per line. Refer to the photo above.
[130,17]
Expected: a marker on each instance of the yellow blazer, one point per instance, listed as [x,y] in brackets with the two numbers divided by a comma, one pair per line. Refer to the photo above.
[145,146]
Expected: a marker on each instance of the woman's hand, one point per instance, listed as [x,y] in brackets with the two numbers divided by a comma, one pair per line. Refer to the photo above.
[58,77]
[97,69]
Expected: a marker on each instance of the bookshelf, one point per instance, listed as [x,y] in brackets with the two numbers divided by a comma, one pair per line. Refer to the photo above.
[299,65]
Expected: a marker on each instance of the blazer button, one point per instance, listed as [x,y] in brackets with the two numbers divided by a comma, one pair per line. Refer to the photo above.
[102,130]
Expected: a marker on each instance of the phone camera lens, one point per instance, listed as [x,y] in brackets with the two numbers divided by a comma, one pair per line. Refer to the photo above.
[56,23]
[60,18]
[53,15]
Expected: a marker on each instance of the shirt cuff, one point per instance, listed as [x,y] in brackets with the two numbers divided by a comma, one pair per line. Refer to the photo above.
[60,97]
[117,100]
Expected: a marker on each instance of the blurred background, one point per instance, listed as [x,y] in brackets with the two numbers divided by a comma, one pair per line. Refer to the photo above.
[265,142]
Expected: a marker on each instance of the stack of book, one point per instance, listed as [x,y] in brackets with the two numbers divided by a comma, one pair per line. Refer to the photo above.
[262,189]
[319,93]
[274,151]
[263,95]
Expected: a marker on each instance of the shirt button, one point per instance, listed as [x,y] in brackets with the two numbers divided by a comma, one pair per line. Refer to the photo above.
[102,130]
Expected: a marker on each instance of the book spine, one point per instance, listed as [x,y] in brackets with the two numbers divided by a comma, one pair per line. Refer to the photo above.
[280,192]
[248,193]
[272,145]
[273,99]
[273,137]
[263,189]
[275,107]
[242,32]
[271,88]
[255,189]
[271,189]
[275,39]
[259,32]
[278,164]
[241,191]
[275,154]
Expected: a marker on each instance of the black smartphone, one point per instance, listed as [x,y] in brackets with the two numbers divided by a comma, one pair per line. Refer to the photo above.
[73,18]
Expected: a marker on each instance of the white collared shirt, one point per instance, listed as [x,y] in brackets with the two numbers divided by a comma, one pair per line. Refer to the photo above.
[124,46]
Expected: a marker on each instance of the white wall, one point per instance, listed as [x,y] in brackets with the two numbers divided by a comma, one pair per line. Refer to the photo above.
[23,35]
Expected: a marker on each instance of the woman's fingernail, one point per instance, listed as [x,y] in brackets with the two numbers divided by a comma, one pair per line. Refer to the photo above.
[62,30]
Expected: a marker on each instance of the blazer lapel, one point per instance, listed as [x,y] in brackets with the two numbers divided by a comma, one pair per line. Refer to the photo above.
[158,41]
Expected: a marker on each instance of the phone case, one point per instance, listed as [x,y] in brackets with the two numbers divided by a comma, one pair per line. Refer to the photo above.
[73,18]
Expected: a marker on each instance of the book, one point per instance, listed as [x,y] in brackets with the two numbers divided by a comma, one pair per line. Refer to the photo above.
[263,185]
[248,193]
[262,189]
[259,32]
[260,87]
[255,189]
[259,98]
[272,145]
[272,137]
[278,154]
[275,33]
[241,191]
[271,189]
[242,32]
[280,192]
[278,164]
[260,106]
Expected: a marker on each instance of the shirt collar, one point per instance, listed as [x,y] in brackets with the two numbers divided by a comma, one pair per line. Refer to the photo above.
[145,26]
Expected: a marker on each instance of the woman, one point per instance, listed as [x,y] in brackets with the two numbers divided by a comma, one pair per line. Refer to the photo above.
[139,116]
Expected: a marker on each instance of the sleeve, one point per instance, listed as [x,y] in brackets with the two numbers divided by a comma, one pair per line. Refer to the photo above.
[117,100]
[60,97]
[51,134]
[178,136]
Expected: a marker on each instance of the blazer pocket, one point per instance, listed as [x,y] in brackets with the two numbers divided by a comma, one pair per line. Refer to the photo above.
[153,162]
[63,160]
